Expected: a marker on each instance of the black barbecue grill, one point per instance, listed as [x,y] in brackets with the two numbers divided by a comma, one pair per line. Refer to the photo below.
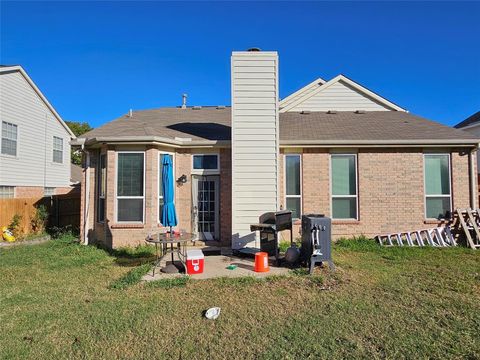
[270,223]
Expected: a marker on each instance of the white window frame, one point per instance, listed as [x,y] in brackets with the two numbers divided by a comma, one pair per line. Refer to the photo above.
[3,192]
[48,191]
[285,182]
[54,149]
[129,197]
[160,153]
[16,139]
[425,196]
[206,171]
[344,196]
[99,185]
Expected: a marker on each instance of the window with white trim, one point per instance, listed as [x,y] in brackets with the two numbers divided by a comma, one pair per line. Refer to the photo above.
[293,186]
[160,182]
[48,191]
[57,150]
[438,196]
[130,186]
[344,186]
[102,184]
[9,138]
[7,192]
[205,162]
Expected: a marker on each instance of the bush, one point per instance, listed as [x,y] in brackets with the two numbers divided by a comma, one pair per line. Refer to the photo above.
[39,219]
[15,225]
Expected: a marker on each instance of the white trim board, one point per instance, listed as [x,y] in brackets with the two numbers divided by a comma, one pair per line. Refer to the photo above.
[292,97]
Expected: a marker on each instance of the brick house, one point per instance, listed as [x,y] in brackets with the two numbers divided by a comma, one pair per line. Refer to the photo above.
[333,147]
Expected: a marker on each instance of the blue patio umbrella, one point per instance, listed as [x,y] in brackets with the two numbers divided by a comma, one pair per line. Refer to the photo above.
[169,215]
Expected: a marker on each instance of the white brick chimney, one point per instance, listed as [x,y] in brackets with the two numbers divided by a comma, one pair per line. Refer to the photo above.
[255,134]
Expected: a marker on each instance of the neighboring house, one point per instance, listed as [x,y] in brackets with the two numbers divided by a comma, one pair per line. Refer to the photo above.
[471,125]
[333,147]
[34,142]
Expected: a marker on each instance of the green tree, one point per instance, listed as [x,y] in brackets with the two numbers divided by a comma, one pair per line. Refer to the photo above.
[78,128]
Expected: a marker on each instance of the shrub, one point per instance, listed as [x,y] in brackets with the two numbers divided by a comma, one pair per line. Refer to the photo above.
[15,225]
[39,219]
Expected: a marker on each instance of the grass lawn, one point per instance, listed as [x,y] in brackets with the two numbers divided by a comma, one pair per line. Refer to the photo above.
[63,300]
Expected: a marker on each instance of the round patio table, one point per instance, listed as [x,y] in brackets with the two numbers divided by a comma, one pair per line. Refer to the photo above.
[162,248]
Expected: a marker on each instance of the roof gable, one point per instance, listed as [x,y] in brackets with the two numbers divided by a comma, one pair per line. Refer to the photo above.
[5,69]
[472,120]
[302,92]
[342,94]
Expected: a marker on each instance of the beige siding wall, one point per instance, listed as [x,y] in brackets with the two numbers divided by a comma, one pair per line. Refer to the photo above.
[254,140]
[36,125]
[339,96]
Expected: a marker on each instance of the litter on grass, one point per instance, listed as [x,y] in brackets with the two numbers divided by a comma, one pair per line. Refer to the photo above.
[212,313]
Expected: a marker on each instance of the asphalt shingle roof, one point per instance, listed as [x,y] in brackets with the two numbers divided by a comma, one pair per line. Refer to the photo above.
[211,123]
[469,121]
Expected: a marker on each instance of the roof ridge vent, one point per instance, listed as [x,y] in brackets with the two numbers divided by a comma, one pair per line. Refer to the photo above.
[331,111]
[196,107]
[360,111]
[305,112]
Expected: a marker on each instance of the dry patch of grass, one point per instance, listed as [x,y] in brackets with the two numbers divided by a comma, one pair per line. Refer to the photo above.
[57,302]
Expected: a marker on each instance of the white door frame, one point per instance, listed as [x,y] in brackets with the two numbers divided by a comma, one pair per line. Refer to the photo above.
[195,180]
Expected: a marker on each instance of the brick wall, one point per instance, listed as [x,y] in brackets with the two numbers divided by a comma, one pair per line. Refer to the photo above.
[391,190]
[390,195]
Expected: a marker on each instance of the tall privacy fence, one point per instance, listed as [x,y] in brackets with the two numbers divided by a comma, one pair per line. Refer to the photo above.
[63,211]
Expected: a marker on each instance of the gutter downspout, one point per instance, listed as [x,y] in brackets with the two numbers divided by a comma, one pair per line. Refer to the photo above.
[87,196]
[473,179]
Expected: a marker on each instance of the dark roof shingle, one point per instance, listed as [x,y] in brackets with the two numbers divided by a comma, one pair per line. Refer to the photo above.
[469,121]
[211,123]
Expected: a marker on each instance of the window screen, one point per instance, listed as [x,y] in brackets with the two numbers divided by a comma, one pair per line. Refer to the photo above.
[9,138]
[344,186]
[57,150]
[205,162]
[292,185]
[130,183]
[437,185]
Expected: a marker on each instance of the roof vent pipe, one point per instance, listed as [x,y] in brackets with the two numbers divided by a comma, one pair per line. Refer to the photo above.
[130,113]
[184,101]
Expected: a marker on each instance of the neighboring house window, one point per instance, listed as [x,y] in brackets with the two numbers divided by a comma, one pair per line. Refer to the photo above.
[205,162]
[293,194]
[160,184]
[9,138]
[57,149]
[437,185]
[102,183]
[344,186]
[130,186]
[7,192]
[48,191]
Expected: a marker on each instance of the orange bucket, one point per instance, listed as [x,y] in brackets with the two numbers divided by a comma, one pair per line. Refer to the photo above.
[261,262]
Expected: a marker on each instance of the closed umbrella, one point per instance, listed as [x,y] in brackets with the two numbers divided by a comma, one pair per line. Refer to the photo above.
[169,215]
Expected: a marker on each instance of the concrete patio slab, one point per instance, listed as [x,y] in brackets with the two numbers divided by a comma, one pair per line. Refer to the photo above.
[216,266]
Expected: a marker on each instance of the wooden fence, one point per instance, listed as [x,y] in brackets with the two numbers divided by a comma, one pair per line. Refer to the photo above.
[64,211]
